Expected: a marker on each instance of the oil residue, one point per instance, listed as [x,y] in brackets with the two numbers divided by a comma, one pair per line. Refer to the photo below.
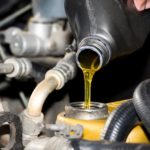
[89,63]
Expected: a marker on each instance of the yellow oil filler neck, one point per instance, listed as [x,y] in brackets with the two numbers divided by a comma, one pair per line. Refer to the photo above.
[93,120]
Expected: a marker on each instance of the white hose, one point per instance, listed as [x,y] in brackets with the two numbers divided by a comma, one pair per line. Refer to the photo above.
[55,78]
[39,95]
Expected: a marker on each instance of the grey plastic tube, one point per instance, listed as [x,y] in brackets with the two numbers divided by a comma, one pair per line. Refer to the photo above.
[120,123]
[141,102]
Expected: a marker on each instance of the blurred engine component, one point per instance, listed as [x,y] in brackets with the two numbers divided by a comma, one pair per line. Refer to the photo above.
[42,39]
[48,31]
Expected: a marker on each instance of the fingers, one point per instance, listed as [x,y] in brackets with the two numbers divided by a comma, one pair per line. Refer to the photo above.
[141,4]
[147,4]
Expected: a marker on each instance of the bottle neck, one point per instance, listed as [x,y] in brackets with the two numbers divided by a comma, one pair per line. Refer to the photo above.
[93,45]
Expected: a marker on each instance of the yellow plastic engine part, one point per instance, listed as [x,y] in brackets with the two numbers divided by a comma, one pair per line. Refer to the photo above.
[93,128]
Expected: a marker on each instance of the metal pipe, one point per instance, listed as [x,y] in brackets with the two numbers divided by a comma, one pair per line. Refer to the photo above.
[23,99]
[15,15]
[6,68]
[3,54]
[48,61]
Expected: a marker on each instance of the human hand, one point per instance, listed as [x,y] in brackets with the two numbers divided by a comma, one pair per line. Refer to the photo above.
[142,4]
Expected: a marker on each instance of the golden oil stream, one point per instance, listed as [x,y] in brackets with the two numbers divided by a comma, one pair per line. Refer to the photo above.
[88,72]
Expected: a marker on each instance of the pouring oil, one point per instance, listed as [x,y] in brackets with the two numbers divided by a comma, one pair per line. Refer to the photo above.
[89,64]
[88,76]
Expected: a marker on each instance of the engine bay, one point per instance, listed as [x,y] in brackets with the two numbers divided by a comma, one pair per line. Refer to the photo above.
[50,50]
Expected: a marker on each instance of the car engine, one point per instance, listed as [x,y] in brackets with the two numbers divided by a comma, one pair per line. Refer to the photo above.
[45,47]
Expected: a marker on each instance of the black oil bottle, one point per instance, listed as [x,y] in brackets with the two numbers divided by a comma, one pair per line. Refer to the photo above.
[107,28]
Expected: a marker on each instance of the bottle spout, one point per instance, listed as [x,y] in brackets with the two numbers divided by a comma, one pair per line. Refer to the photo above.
[92,53]
[89,57]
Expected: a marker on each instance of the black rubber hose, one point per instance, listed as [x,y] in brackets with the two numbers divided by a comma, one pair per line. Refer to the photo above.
[96,145]
[141,101]
[15,142]
[120,122]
